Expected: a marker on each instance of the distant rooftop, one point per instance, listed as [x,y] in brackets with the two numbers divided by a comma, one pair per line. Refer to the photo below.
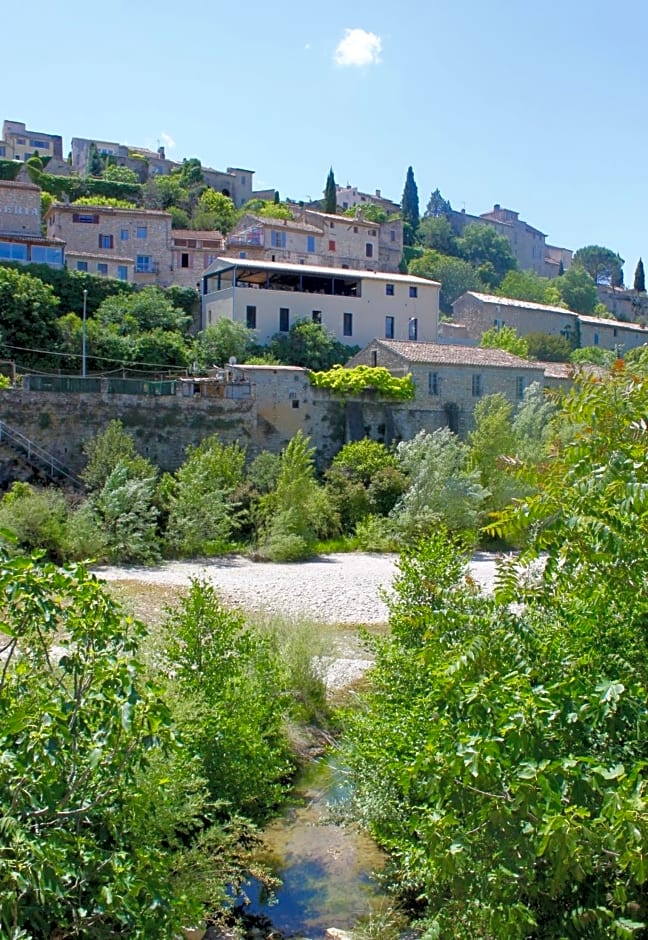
[446,353]
[222,264]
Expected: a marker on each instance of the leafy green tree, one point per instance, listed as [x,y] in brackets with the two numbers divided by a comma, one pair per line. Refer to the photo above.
[578,290]
[105,348]
[180,218]
[267,209]
[443,490]
[128,515]
[221,341]
[236,721]
[330,194]
[491,441]
[547,348]
[603,265]
[95,166]
[595,355]
[527,285]
[141,312]
[159,348]
[78,723]
[640,277]
[363,478]
[488,251]
[296,512]
[202,514]
[110,201]
[310,345]
[456,276]
[437,206]
[506,338]
[532,424]
[106,450]
[120,174]
[410,208]
[191,173]
[28,312]
[36,517]
[435,232]
[214,211]
[368,211]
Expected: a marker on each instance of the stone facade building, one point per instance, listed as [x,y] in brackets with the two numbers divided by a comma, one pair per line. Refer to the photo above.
[18,143]
[317,238]
[350,196]
[528,244]
[130,244]
[450,380]
[192,253]
[20,227]
[478,313]
[353,305]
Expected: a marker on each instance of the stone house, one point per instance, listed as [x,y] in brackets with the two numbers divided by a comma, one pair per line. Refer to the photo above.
[528,244]
[130,244]
[350,196]
[20,227]
[18,143]
[318,238]
[450,379]
[478,312]
[193,252]
[353,305]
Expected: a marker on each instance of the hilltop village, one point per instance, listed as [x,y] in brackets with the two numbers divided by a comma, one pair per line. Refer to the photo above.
[414,292]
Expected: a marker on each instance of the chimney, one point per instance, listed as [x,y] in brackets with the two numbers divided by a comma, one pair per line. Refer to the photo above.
[161,153]
[378,193]
[496,207]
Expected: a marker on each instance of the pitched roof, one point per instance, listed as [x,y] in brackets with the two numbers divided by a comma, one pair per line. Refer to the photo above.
[608,321]
[451,354]
[512,302]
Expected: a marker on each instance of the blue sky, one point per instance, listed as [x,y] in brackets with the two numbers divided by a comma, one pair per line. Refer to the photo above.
[540,107]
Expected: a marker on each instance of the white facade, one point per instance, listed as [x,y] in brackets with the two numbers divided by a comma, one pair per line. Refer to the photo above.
[354,306]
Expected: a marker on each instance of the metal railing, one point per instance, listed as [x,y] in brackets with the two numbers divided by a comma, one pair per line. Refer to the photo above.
[36,456]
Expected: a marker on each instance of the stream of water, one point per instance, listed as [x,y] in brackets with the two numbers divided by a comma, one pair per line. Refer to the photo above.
[326,868]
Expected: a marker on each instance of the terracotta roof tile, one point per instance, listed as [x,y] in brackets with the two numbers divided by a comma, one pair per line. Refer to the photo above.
[450,354]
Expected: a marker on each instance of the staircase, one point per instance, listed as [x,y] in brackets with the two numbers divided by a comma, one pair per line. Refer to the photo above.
[38,458]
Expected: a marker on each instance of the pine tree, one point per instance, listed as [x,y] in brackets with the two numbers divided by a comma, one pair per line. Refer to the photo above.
[95,163]
[410,208]
[330,194]
[437,206]
[640,278]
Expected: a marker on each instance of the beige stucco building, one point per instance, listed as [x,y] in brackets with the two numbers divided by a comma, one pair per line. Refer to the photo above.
[19,143]
[318,238]
[353,305]
[20,227]
[130,244]
[477,312]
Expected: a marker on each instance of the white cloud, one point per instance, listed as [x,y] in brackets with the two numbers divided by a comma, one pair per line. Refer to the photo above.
[307,46]
[358,47]
[167,140]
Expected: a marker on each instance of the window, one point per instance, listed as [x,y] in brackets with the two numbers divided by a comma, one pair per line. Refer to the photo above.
[433,383]
[242,254]
[82,265]
[41,144]
[477,386]
[374,357]
[596,339]
[355,229]
[412,329]
[331,224]
[250,317]
[277,239]
[105,241]
[3,151]
[392,235]
[295,403]
[413,291]
[43,255]
[184,259]
[102,268]
[331,244]
[389,290]
[389,327]
[519,386]
[124,234]
[122,272]
[141,231]
[310,243]
[87,217]
[347,324]
[284,319]
[369,250]
[144,264]
[317,316]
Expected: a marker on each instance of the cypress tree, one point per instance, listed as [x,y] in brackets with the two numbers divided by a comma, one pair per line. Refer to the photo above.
[640,278]
[561,268]
[330,194]
[410,208]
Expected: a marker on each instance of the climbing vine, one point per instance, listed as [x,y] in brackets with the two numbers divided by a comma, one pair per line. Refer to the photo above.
[344,382]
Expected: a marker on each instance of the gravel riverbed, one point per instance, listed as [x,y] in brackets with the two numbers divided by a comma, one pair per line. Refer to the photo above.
[332,589]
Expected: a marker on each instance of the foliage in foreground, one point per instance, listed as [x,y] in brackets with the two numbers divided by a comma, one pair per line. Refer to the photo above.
[500,753]
[354,381]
